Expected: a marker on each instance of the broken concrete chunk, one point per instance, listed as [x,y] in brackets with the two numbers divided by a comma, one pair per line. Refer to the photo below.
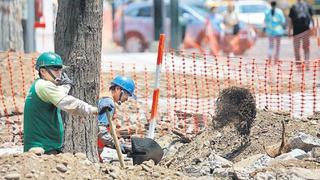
[294,154]
[217,161]
[304,141]
[254,162]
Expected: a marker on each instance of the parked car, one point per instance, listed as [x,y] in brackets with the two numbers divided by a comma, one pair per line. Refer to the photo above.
[138,23]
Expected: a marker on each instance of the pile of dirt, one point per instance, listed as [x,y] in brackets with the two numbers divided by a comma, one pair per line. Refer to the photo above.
[228,143]
[236,105]
[68,166]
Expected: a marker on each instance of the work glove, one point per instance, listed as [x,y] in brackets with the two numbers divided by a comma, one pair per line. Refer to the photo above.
[125,148]
[105,104]
[65,80]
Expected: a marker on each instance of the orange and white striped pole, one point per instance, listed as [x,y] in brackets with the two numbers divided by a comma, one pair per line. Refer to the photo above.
[156,91]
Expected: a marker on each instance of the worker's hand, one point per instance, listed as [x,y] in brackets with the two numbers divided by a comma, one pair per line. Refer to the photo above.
[125,146]
[65,80]
[105,104]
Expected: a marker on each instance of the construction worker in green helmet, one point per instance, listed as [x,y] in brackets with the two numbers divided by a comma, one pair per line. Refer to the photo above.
[48,95]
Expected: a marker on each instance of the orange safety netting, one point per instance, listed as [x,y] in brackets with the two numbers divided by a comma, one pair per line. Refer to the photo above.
[189,86]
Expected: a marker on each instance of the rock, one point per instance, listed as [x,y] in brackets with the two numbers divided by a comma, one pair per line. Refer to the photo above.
[294,154]
[29,175]
[130,167]
[305,173]
[16,155]
[114,175]
[97,165]
[275,149]
[13,169]
[33,171]
[193,170]
[12,176]
[54,171]
[146,168]
[315,152]
[255,161]
[37,150]
[292,173]
[223,173]
[62,168]
[265,175]
[304,141]
[217,161]
[179,174]
[195,161]
[206,144]
[149,163]
[86,162]
[81,156]
[155,174]
[314,122]
[65,155]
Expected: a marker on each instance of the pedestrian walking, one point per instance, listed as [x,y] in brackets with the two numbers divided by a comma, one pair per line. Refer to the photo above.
[301,22]
[274,28]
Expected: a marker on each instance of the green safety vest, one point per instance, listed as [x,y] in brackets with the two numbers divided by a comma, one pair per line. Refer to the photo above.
[43,125]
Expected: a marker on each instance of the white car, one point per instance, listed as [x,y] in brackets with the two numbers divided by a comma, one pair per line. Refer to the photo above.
[250,11]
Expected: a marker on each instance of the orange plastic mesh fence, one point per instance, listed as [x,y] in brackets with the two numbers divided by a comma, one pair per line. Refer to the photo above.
[189,86]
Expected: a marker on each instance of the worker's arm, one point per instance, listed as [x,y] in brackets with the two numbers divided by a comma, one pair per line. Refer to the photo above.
[65,88]
[58,96]
[76,106]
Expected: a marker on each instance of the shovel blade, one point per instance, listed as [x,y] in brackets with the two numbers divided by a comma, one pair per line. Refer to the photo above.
[144,149]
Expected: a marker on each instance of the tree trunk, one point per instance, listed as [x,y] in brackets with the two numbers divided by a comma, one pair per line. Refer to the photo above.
[78,41]
[11,36]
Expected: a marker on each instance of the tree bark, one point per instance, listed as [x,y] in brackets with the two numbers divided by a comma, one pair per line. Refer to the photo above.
[78,41]
[11,36]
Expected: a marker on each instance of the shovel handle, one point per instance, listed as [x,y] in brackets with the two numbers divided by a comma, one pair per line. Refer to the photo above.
[115,139]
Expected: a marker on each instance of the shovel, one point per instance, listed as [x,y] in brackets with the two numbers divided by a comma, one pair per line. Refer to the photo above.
[142,149]
[115,139]
[145,149]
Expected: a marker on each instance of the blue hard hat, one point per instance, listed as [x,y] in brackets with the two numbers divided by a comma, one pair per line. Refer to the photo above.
[125,83]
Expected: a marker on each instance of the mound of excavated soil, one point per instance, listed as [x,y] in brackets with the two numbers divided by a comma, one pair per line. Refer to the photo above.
[228,143]
[68,166]
[236,105]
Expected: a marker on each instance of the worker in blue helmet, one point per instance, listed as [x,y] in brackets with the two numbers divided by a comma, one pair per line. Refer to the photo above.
[121,88]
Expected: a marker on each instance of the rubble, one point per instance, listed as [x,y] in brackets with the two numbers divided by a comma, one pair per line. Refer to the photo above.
[249,160]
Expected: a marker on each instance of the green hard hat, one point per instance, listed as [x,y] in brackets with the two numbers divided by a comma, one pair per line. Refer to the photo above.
[48,59]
